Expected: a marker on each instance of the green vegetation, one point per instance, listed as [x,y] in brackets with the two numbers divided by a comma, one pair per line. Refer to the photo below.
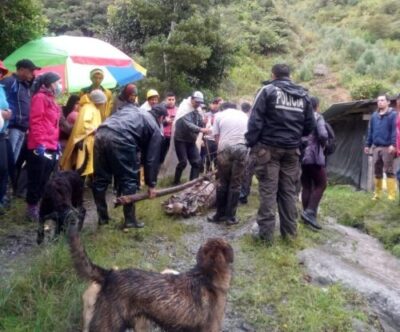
[269,287]
[227,47]
[20,21]
[356,208]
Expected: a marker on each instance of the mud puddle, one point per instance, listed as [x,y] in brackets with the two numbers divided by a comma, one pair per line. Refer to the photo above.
[359,262]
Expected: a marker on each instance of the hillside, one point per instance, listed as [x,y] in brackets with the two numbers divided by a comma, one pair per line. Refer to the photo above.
[340,49]
[355,44]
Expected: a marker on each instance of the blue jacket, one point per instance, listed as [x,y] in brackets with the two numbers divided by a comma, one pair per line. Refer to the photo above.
[19,98]
[3,106]
[382,129]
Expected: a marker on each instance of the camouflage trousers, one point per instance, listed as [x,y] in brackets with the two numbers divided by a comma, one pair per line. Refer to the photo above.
[231,163]
[277,173]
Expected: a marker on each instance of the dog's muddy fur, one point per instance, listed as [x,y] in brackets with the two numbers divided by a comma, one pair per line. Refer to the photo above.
[130,298]
[63,192]
[89,298]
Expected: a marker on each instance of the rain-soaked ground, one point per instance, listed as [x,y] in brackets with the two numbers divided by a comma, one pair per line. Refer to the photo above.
[350,257]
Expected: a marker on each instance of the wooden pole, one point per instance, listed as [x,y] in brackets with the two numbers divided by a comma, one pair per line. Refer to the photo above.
[123,200]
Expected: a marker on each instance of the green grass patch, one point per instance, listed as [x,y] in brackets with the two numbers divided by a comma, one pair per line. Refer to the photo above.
[270,290]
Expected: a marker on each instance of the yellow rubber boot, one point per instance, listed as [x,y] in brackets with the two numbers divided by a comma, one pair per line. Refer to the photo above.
[378,189]
[391,188]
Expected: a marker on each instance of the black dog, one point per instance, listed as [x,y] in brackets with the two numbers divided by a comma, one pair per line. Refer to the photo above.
[63,192]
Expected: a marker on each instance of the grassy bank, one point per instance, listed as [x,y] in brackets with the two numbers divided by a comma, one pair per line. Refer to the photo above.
[356,208]
[270,290]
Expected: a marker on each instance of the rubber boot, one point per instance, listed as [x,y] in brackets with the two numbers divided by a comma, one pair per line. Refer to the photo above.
[310,218]
[231,207]
[378,189]
[219,216]
[130,217]
[194,173]
[101,205]
[178,175]
[391,188]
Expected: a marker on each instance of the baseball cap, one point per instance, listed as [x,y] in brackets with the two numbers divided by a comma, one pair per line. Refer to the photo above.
[26,63]
[198,96]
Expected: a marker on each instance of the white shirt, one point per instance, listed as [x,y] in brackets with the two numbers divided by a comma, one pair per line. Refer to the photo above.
[230,125]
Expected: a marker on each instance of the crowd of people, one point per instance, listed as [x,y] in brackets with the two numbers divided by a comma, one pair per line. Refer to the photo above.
[282,139]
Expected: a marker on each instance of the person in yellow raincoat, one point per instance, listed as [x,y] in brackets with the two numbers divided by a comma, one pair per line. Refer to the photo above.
[78,154]
[97,76]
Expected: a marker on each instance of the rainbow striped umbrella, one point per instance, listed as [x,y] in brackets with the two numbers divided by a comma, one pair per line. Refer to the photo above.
[74,57]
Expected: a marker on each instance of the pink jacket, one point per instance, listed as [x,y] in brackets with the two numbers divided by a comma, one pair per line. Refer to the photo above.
[44,121]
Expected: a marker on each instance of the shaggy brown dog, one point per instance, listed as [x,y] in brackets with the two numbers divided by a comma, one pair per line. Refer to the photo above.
[89,299]
[189,302]
[63,192]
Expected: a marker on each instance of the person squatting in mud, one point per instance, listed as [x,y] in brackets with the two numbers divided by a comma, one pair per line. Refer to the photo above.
[117,143]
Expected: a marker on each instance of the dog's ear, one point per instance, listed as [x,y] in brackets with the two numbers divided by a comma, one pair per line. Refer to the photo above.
[214,253]
[227,251]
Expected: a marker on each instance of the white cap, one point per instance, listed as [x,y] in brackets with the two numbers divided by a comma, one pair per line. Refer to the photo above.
[198,96]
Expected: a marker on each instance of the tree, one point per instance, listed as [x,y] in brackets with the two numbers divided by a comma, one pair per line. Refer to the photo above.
[181,40]
[20,21]
[76,17]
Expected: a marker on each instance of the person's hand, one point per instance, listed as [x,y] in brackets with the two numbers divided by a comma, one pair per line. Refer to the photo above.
[205,131]
[392,149]
[40,150]
[6,114]
[366,150]
[152,192]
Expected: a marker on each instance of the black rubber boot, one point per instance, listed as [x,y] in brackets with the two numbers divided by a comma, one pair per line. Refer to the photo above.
[219,216]
[310,218]
[178,175]
[194,173]
[130,217]
[101,205]
[231,207]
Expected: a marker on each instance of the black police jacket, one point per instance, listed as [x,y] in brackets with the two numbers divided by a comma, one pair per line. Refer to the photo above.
[281,115]
[141,130]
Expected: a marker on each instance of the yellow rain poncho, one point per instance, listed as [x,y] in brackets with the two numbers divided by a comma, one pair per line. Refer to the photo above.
[78,153]
[105,111]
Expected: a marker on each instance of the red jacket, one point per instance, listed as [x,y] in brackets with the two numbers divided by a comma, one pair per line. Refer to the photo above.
[168,127]
[44,121]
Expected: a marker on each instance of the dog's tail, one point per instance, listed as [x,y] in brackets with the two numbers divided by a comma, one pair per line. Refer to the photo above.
[83,265]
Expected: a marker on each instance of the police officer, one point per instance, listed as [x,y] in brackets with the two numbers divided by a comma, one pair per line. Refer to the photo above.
[281,115]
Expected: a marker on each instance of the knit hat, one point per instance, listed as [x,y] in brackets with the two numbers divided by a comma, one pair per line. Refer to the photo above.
[98,97]
[129,89]
[159,110]
[96,71]
[48,78]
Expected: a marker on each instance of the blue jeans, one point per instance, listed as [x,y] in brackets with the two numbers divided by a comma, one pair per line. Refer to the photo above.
[16,137]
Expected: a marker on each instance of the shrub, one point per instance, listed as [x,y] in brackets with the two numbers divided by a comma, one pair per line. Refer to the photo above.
[368,88]
[355,48]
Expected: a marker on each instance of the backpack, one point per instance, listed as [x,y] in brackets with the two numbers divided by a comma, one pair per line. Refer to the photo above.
[330,145]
